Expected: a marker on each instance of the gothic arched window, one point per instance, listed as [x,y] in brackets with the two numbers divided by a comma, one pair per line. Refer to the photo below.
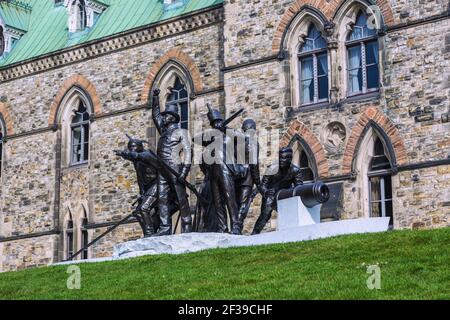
[305,166]
[179,95]
[304,160]
[380,183]
[80,135]
[313,60]
[84,239]
[363,59]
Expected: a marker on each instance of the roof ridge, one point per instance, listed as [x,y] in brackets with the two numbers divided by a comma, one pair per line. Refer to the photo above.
[47,25]
[20,4]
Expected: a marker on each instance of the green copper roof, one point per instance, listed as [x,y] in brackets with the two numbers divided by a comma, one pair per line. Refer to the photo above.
[47,25]
[15,14]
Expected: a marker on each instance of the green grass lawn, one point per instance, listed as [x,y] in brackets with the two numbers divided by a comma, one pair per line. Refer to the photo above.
[414,265]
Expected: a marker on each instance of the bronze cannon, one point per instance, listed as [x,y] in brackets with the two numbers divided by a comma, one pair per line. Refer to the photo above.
[311,194]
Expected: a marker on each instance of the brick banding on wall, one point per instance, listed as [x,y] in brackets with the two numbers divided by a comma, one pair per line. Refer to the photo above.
[4,113]
[81,82]
[180,57]
[358,131]
[328,8]
[298,128]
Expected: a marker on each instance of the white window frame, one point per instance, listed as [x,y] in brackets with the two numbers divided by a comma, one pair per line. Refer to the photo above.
[84,234]
[364,66]
[65,117]
[316,76]
[383,199]
[83,143]
[350,24]
[71,232]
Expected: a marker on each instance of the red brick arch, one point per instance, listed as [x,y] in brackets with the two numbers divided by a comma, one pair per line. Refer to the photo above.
[180,57]
[328,8]
[298,128]
[4,112]
[79,81]
[375,115]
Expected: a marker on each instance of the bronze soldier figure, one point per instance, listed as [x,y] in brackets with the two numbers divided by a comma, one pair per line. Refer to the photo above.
[171,139]
[244,186]
[287,176]
[206,220]
[147,174]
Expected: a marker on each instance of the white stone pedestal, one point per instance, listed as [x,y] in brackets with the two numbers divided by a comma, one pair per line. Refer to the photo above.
[296,223]
[194,242]
[292,213]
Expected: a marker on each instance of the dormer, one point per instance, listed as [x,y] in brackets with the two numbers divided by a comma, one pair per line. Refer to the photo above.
[14,20]
[77,16]
[83,14]
[173,4]
[95,9]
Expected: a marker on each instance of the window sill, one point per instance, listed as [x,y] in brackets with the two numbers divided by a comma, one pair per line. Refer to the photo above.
[312,107]
[362,97]
[75,167]
[374,95]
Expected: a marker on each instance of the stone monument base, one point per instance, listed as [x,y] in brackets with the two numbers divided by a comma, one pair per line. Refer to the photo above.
[194,242]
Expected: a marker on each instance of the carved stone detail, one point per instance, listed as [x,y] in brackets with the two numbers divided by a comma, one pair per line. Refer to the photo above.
[334,136]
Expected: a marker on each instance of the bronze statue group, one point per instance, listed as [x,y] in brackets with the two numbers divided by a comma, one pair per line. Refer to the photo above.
[229,187]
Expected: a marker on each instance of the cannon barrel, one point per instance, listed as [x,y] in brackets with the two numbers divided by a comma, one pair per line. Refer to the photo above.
[311,194]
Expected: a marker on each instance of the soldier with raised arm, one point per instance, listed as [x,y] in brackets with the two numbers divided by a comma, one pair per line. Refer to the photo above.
[174,148]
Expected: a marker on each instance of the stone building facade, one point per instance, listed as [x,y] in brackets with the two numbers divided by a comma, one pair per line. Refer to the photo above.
[378,131]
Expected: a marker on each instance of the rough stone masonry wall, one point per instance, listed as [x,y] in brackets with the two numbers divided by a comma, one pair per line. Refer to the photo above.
[28,180]
[416,64]
[106,187]
[416,76]
[426,202]
[252,24]
[417,72]
[27,253]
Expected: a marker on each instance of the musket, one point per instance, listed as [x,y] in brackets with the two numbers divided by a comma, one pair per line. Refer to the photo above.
[251,199]
[173,172]
[186,183]
[114,227]
[118,152]
[177,175]
[230,119]
[233,117]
